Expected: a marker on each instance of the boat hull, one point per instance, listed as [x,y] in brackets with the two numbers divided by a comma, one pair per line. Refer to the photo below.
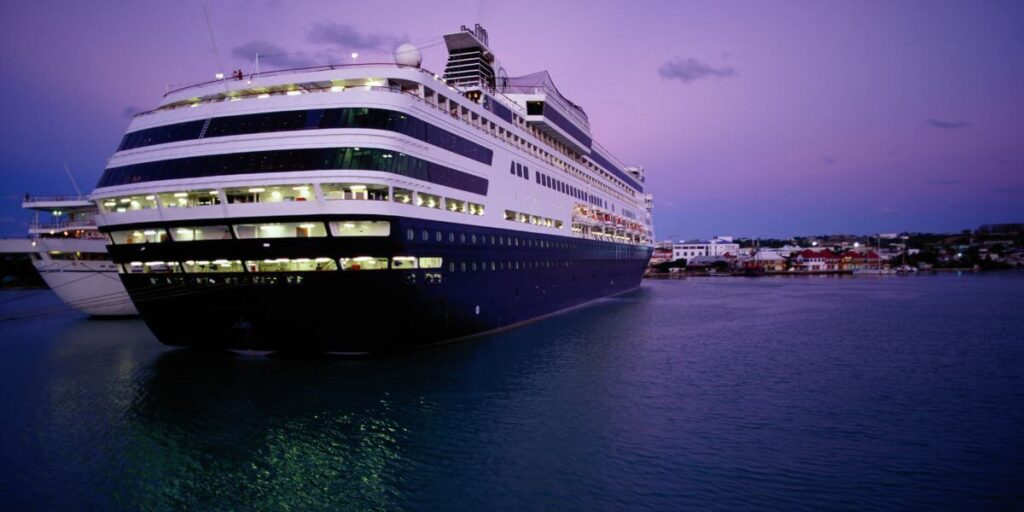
[479,287]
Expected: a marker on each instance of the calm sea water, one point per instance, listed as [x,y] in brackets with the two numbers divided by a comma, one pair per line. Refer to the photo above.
[726,394]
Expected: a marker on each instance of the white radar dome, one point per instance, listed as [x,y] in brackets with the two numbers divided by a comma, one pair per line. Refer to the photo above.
[408,55]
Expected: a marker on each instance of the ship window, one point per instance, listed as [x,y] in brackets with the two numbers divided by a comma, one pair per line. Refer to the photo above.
[189,199]
[512,168]
[430,262]
[451,237]
[425,235]
[139,236]
[455,205]
[213,266]
[364,263]
[462,237]
[437,236]
[126,204]
[403,262]
[356,191]
[451,266]
[476,209]
[269,194]
[402,195]
[281,230]
[196,233]
[153,267]
[428,200]
[292,265]
[526,172]
[510,215]
[360,228]
[473,238]
[410,234]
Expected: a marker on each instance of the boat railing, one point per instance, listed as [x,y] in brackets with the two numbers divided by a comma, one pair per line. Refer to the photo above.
[53,199]
[61,225]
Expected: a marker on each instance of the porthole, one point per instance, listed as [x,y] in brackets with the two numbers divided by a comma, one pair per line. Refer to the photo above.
[410,234]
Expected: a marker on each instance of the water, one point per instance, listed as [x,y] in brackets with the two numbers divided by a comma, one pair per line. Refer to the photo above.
[726,394]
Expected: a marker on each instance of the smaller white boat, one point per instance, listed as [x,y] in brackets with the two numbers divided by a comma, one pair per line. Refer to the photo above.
[71,256]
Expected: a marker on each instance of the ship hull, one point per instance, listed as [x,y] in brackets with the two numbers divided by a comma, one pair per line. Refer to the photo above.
[477,289]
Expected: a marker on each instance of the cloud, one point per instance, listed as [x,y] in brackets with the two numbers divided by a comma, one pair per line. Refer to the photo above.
[888,210]
[129,112]
[272,54]
[948,125]
[689,70]
[943,182]
[829,160]
[347,38]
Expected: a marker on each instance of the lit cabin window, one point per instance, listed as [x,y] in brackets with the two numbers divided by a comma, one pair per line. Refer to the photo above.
[428,200]
[430,262]
[475,209]
[455,205]
[127,204]
[270,194]
[360,228]
[281,230]
[403,262]
[292,265]
[197,233]
[153,267]
[355,191]
[189,199]
[402,195]
[139,236]
[364,263]
[203,266]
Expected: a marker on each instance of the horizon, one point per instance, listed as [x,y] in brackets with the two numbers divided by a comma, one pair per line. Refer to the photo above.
[759,119]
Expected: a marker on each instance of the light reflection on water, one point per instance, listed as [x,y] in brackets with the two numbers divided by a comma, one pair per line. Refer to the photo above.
[733,394]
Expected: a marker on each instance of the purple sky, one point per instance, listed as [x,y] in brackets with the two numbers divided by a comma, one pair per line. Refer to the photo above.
[751,118]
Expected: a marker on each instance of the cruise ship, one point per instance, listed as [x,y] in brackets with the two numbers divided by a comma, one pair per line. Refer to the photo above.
[370,207]
[70,254]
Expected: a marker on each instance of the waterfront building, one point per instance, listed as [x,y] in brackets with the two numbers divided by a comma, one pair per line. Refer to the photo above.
[768,261]
[718,246]
[860,260]
[816,261]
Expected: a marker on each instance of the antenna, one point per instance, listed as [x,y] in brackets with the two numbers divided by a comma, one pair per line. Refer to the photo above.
[72,178]
[216,52]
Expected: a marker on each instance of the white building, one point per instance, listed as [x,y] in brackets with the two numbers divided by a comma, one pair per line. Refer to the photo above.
[718,246]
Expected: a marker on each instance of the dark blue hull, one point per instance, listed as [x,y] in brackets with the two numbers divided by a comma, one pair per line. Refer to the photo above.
[481,286]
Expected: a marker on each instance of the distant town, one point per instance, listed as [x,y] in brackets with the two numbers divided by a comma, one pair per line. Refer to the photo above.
[989,247]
